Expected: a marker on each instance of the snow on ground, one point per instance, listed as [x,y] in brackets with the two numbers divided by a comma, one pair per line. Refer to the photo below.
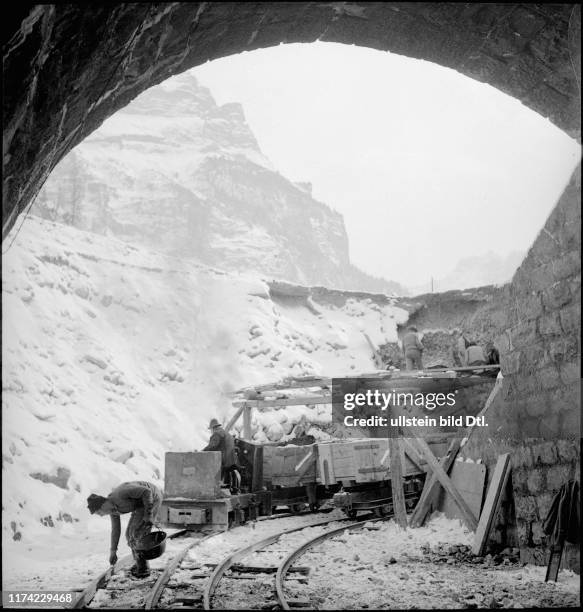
[113,355]
[385,568]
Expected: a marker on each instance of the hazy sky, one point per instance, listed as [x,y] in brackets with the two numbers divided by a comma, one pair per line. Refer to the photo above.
[427,166]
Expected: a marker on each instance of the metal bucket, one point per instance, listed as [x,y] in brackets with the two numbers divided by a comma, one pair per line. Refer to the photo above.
[152,545]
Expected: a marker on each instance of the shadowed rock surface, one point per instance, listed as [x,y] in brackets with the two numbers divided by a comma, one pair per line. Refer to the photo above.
[69,67]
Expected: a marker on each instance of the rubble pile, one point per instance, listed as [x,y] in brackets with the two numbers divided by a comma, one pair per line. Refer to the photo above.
[462,554]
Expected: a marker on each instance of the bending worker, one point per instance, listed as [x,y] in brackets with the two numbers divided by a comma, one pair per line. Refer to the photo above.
[413,349]
[143,500]
[224,442]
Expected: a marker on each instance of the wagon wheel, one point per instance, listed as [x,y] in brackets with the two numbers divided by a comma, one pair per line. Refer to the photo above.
[314,507]
[297,508]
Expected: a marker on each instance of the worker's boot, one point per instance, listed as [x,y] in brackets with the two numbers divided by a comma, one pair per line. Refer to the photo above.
[142,569]
[134,567]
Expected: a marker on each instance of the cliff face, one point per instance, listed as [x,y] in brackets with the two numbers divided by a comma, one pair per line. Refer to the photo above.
[175,172]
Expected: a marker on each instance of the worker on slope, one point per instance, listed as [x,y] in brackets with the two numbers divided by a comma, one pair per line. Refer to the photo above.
[413,349]
[492,354]
[222,441]
[475,355]
[143,500]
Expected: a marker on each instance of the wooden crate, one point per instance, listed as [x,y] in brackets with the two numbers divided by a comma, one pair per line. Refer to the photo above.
[355,461]
[359,461]
[193,475]
[289,466]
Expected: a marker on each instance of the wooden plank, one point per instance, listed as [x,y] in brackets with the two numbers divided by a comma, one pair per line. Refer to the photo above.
[289,401]
[413,454]
[493,498]
[469,479]
[324,382]
[399,507]
[369,470]
[376,358]
[554,563]
[432,463]
[303,382]
[430,493]
[247,435]
[234,419]
[496,389]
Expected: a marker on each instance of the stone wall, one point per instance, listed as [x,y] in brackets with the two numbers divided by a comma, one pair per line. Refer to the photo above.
[535,323]
[536,418]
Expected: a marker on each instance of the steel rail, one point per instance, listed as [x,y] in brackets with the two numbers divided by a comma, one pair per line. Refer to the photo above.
[88,593]
[300,550]
[233,558]
[156,591]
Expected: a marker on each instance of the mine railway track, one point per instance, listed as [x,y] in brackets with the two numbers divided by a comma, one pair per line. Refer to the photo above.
[260,545]
[284,567]
[199,595]
[151,597]
[86,595]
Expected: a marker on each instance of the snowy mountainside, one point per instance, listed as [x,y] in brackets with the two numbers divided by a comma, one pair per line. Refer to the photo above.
[114,354]
[176,172]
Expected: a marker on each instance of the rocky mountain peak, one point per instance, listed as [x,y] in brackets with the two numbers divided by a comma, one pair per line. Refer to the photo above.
[176,172]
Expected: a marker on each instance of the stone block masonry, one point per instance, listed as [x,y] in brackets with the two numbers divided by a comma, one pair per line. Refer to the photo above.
[540,349]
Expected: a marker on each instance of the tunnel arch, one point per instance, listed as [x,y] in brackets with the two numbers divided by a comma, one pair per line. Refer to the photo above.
[69,67]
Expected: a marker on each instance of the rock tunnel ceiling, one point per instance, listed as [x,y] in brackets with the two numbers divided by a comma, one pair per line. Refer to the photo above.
[69,67]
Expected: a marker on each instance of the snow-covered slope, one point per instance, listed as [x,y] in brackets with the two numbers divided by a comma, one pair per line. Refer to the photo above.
[114,354]
[176,172]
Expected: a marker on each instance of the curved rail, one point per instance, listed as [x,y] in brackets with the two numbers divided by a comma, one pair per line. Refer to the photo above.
[298,552]
[156,591]
[88,593]
[227,562]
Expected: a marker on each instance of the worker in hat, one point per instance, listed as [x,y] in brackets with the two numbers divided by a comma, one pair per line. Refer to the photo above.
[413,349]
[224,442]
[143,500]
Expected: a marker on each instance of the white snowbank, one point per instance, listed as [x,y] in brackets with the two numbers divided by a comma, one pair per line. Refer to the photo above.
[113,355]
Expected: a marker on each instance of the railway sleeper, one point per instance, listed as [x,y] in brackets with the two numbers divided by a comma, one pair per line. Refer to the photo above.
[259,569]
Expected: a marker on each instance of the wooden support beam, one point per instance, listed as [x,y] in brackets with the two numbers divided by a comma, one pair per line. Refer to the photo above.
[288,401]
[304,382]
[247,423]
[493,393]
[300,382]
[493,497]
[430,492]
[432,463]
[399,507]
[234,419]
[413,454]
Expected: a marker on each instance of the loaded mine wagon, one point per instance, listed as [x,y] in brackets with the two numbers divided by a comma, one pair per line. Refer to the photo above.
[352,474]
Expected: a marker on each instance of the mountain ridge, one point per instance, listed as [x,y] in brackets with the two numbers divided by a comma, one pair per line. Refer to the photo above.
[176,172]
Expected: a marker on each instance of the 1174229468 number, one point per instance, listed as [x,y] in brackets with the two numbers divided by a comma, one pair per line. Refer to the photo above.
[17,599]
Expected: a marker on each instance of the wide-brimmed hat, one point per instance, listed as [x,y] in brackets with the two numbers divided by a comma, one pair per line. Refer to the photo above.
[214,423]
